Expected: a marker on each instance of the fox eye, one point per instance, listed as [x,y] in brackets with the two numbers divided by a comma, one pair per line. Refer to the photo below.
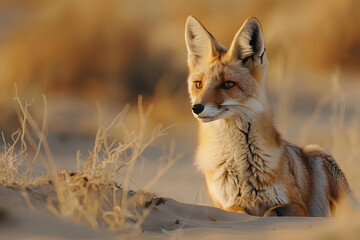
[227,85]
[198,84]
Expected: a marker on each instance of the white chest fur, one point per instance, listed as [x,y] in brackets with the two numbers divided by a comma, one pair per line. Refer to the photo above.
[236,165]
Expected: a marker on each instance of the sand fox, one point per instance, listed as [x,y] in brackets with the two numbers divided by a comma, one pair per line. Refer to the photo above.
[247,165]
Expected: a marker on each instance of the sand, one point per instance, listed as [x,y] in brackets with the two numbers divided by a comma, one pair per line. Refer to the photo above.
[169,218]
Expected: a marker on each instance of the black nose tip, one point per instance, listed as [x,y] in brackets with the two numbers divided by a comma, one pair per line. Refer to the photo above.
[198,108]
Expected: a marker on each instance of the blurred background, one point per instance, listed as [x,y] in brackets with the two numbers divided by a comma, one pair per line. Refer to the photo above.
[91,55]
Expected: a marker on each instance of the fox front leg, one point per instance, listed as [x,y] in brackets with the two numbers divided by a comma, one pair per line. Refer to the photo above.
[290,209]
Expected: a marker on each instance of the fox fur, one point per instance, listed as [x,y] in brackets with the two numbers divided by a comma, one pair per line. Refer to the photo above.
[247,165]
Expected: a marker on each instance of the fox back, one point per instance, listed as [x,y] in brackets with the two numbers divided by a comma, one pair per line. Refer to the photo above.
[247,165]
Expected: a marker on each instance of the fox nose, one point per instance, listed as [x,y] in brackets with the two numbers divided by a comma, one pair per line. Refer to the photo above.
[198,108]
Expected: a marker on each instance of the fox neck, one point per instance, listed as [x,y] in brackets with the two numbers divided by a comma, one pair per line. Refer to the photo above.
[252,146]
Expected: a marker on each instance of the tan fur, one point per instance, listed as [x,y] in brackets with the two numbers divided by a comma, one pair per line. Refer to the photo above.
[247,165]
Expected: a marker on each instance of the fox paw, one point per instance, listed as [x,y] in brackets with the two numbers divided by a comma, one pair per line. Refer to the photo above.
[285,210]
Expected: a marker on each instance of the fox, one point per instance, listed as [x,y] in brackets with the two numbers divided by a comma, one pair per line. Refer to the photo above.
[247,165]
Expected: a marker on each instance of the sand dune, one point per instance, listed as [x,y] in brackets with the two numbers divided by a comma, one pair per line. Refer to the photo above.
[168,219]
[196,221]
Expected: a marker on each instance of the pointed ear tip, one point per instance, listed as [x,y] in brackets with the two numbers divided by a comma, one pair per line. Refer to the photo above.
[252,19]
[190,18]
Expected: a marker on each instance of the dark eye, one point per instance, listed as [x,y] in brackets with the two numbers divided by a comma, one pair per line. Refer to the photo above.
[198,84]
[227,85]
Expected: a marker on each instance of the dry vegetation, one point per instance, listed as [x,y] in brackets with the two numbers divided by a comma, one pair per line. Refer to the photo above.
[91,193]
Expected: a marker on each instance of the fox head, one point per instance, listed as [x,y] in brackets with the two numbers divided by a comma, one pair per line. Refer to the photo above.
[226,82]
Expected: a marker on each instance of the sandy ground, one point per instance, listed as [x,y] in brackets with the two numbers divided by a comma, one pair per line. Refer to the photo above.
[168,219]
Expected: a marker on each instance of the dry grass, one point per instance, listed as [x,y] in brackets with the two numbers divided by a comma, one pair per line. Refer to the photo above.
[90,193]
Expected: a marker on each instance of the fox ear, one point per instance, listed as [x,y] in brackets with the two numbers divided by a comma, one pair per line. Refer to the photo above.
[249,44]
[201,45]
